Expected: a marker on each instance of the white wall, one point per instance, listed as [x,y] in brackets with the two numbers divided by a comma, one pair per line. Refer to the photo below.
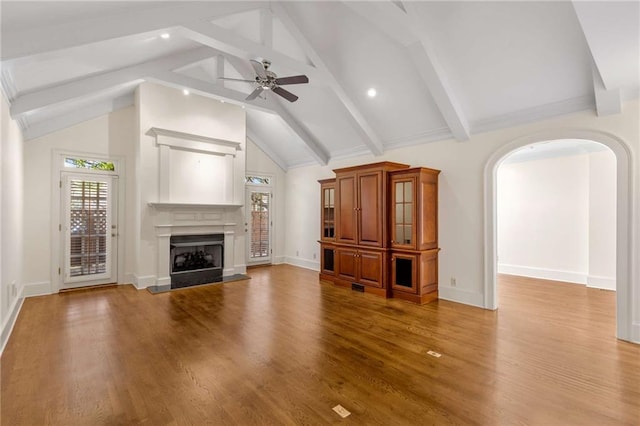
[167,108]
[461,194]
[258,162]
[109,135]
[11,222]
[543,218]
[556,218]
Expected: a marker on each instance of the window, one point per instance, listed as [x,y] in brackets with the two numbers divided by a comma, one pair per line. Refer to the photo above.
[81,163]
[257,180]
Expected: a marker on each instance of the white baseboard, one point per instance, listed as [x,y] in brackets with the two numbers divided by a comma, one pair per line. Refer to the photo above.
[303,263]
[545,274]
[36,289]
[10,321]
[454,294]
[239,269]
[144,281]
[278,260]
[605,283]
[129,278]
[635,332]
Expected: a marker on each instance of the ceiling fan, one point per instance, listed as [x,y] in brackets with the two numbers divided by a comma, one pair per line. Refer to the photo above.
[268,80]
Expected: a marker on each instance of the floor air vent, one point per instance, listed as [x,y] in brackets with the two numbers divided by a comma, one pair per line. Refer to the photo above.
[357,287]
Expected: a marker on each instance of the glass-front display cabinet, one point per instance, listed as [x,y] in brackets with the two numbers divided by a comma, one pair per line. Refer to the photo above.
[328,214]
[403,212]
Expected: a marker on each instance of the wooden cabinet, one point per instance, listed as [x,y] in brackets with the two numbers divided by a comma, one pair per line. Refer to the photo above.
[327,261]
[360,266]
[361,194]
[414,275]
[379,234]
[414,208]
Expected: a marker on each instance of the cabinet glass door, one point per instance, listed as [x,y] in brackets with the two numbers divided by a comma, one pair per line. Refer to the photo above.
[403,213]
[328,213]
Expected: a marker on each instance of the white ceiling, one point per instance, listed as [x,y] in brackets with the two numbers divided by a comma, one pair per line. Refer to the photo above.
[442,70]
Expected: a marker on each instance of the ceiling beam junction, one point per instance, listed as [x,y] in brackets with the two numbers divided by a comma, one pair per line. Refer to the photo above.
[79,88]
[48,40]
[423,55]
[371,139]
[227,41]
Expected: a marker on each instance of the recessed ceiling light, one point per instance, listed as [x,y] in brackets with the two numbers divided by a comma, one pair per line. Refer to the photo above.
[221,100]
[165,35]
[185,91]
[372,92]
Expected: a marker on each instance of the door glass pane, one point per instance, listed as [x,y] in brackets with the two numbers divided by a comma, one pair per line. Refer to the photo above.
[259,247]
[408,191]
[408,209]
[399,234]
[399,192]
[88,209]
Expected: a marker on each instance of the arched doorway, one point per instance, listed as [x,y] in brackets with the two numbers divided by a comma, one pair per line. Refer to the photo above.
[624,289]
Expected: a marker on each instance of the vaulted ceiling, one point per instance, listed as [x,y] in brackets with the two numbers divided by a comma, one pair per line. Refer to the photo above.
[441,70]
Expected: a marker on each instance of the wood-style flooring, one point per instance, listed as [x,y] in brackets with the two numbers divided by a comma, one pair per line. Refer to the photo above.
[283,348]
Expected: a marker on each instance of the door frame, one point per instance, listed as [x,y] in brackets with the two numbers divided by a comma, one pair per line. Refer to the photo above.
[627,283]
[56,240]
[270,188]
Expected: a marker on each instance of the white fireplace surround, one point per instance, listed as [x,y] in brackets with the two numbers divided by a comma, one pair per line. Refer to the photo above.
[208,202]
[173,222]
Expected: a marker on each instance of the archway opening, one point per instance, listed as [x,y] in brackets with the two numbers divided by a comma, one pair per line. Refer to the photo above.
[622,214]
[556,232]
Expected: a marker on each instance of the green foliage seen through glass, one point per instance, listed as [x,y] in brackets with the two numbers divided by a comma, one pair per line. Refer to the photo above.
[89,164]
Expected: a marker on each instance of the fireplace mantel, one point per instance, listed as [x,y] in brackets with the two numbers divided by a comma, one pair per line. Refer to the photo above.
[194,205]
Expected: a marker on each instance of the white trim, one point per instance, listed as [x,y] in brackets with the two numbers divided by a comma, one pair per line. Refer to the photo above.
[144,281]
[278,260]
[604,283]
[272,215]
[10,322]
[193,142]
[57,168]
[37,289]
[454,294]
[303,263]
[543,273]
[626,272]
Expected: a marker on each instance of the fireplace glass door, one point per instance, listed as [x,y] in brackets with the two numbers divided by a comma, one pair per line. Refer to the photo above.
[89,230]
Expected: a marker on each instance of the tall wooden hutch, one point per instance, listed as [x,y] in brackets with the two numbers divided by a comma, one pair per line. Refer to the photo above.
[380,230]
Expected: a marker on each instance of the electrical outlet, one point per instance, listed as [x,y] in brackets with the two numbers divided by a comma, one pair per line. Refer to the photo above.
[314,255]
[297,253]
[453,281]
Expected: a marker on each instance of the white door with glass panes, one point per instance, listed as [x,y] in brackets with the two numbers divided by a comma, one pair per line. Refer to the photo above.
[89,229]
[258,221]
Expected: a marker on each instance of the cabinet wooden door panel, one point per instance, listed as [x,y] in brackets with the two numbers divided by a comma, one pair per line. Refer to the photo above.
[404,272]
[370,208]
[371,267]
[346,219]
[347,264]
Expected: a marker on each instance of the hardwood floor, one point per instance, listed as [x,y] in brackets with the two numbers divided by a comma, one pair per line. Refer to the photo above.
[283,349]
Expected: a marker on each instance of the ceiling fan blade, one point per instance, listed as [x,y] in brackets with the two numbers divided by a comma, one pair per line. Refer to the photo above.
[258,68]
[236,79]
[294,79]
[254,94]
[285,94]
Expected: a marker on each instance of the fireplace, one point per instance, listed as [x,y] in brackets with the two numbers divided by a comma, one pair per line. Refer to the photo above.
[195,259]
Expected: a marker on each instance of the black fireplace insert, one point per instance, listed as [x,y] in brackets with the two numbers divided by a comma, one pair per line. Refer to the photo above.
[196,259]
